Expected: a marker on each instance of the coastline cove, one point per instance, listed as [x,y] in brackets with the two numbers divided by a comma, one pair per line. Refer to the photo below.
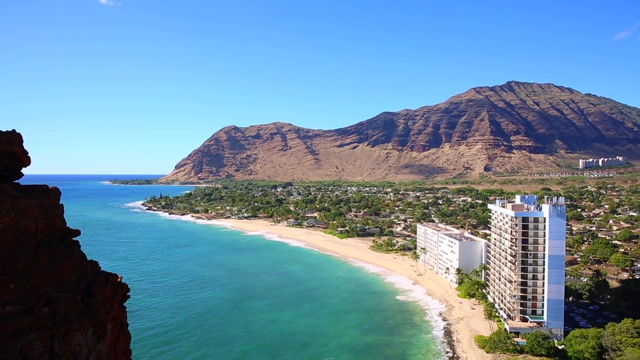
[212,292]
[409,290]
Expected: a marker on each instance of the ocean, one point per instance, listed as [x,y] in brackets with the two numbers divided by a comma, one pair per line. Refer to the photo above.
[200,291]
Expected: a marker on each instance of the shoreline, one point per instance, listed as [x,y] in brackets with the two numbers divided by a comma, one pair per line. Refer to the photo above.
[463,319]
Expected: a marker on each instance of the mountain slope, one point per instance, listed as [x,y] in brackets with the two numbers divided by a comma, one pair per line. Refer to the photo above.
[512,127]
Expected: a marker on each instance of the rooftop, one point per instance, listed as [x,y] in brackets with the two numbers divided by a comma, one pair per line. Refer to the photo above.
[452,232]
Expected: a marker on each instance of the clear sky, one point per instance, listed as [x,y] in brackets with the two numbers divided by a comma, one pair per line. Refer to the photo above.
[133,86]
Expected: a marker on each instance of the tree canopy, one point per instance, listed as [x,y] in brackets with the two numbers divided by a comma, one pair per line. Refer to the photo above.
[622,340]
[539,343]
[626,235]
[500,341]
[620,260]
[585,344]
[601,249]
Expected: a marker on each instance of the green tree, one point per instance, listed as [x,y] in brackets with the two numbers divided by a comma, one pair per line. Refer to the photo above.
[500,341]
[539,343]
[622,340]
[578,290]
[620,260]
[601,249]
[460,276]
[415,256]
[574,273]
[630,354]
[472,289]
[600,287]
[490,311]
[575,215]
[634,253]
[585,344]
[575,242]
[626,235]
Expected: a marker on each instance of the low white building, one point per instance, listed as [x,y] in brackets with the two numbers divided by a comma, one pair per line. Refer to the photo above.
[445,249]
[602,162]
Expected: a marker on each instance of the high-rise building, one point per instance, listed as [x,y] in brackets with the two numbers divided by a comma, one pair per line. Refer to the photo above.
[445,249]
[526,263]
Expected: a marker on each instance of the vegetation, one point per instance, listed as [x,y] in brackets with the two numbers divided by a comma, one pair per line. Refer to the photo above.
[593,288]
[471,286]
[539,343]
[134,181]
[617,341]
[381,210]
[499,341]
[622,340]
[585,344]
[386,245]
[620,260]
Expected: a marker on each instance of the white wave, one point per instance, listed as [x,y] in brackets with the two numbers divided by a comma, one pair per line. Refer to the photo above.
[135,204]
[187,217]
[274,237]
[412,292]
[177,217]
[264,234]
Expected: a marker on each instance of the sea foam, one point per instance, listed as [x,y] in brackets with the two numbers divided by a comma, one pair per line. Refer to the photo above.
[274,237]
[410,291]
[135,206]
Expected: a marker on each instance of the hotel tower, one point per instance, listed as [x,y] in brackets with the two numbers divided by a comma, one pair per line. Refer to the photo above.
[526,263]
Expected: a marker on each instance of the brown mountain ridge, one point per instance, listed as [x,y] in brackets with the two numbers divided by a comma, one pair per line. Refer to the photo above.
[516,127]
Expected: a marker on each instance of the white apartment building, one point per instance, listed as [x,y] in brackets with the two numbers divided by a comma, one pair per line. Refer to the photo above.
[602,162]
[526,261]
[445,249]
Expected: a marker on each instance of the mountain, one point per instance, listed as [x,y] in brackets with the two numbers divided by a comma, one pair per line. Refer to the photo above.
[516,127]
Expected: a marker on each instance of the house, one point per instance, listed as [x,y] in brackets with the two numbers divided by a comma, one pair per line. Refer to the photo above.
[293,222]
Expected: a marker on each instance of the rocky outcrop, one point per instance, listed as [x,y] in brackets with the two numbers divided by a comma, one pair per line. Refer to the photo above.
[13,156]
[54,302]
[515,127]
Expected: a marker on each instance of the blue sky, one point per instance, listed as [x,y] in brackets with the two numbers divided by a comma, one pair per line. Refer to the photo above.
[133,86]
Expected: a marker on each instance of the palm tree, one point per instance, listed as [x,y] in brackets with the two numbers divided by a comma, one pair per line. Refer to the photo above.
[424,252]
[459,274]
[447,271]
[483,268]
[415,256]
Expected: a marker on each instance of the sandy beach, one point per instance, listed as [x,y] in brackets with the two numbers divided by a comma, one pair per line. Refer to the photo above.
[465,317]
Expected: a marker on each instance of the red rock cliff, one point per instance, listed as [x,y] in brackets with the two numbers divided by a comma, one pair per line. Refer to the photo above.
[54,302]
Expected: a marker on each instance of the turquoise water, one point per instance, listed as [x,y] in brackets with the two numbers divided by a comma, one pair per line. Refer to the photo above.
[200,291]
